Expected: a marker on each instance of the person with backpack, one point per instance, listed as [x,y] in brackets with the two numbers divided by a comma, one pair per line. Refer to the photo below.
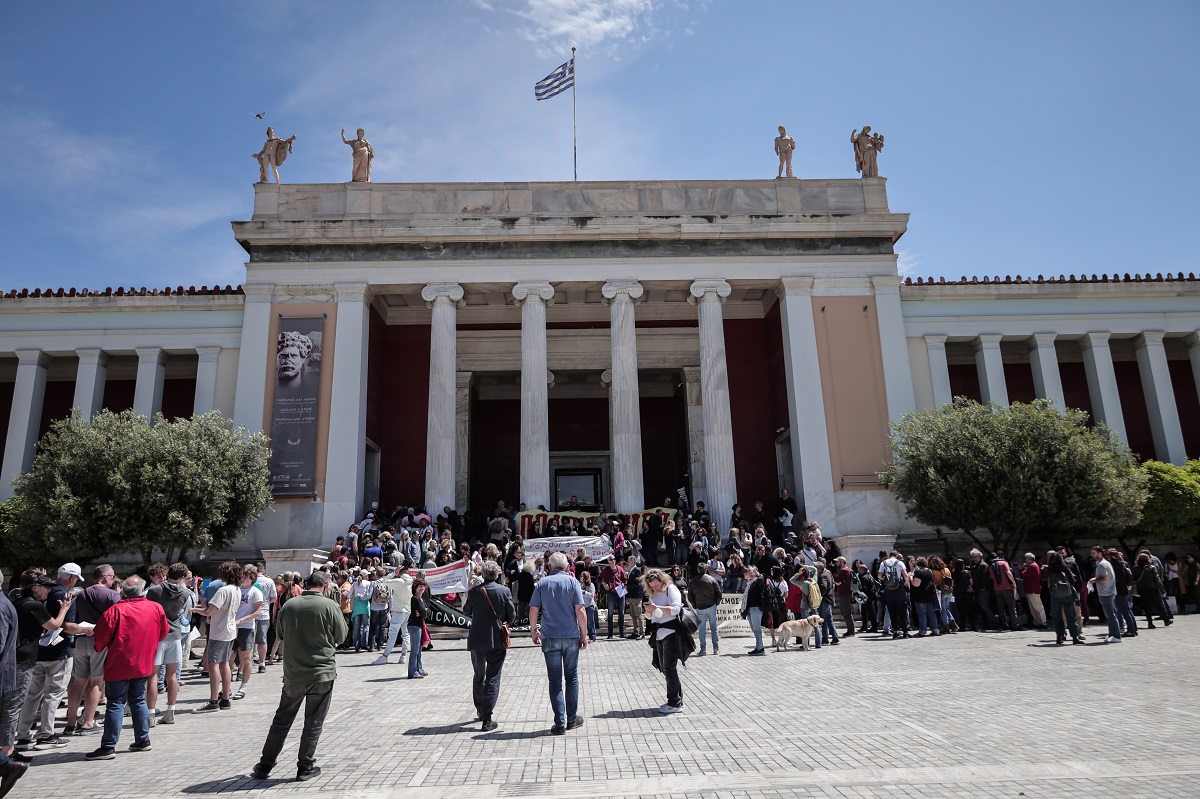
[825,579]
[381,600]
[774,603]
[1004,591]
[1150,590]
[1064,587]
[981,582]
[360,593]
[894,578]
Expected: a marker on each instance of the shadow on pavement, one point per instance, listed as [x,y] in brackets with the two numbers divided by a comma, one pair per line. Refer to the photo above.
[241,782]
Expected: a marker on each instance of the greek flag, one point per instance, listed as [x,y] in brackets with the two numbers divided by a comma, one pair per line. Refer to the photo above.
[556,82]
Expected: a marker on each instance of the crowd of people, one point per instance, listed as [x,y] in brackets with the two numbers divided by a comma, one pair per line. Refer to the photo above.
[115,642]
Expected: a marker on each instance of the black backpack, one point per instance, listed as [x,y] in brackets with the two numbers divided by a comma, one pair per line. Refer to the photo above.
[1060,585]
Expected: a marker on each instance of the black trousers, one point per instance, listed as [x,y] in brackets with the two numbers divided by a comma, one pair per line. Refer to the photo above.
[485,687]
[316,698]
[898,612]
[668,659]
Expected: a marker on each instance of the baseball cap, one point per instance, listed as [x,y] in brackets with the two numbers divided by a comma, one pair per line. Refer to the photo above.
[71,568]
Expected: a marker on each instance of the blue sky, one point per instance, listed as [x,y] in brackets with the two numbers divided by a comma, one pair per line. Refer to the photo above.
[1022,137]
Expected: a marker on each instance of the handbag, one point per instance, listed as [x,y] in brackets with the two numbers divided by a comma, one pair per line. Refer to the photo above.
[688,618]
[505,633]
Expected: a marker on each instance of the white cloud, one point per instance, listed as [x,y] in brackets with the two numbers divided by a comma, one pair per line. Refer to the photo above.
[907,263]
[584,23]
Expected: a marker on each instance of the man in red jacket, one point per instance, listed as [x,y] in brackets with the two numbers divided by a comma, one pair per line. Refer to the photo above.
[130,632]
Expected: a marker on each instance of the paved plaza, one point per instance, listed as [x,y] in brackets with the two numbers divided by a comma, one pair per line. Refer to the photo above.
[971,715]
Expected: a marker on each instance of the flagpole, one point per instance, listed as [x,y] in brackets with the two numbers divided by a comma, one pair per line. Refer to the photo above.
[574,124]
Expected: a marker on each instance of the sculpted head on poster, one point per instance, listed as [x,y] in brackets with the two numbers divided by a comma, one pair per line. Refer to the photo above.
[291,357]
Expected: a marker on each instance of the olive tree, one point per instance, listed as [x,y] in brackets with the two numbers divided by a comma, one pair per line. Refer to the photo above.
[118,483]
[1013,471]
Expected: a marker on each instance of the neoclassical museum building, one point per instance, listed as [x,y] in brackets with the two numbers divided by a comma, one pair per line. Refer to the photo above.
[459,344]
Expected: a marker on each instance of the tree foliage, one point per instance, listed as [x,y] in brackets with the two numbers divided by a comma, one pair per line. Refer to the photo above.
[1013,471]
[1172,509]
[119,484]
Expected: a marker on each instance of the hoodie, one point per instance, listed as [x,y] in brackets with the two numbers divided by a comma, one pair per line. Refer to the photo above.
[175,600]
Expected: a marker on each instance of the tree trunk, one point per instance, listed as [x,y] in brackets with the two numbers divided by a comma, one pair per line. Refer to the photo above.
[147,557]
[170,553]
[1131,551]
[182,555]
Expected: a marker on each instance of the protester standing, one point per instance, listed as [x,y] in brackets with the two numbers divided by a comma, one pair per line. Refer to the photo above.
[490,608]
[313,627]
[557,603]
[669,641]
[418,611]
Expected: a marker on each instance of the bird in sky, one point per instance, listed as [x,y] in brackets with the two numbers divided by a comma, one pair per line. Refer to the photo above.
[260,116]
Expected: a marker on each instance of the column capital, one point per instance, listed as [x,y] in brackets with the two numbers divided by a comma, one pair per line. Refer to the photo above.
[32,358]
[352,292]
[691,374]
[549,379]
[936,342]
[258,292]
[1094,339]
[886,285]
[208,354]
[1193,341]
[92,355]
[606,378]
[432,292]
[616,289]
[1042,340]
[536,291]
[802,286]
[463,379]
[1149,338]
[148,354]
[700,289]
[986,341]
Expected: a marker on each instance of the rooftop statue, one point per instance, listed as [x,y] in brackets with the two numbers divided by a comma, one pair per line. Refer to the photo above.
[273,153]
[784,145]
[360,172]
[866,152]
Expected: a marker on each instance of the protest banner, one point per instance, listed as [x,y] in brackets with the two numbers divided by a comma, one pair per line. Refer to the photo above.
[595,545]
[544,519]
[730,623]
[449,579]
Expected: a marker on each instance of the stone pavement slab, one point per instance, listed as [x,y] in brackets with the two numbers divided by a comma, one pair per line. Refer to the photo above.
[969,715]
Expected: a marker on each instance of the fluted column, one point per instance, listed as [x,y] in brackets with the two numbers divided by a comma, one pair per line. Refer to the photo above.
[1043,359]
[719,469]
[346,453]
[206,379]
[893,345]
[250,397]
[462,440]
[1193,345]
[535,427]
[444,299]
[625,432]
[151,372]
[89,381]
[807,428]
[25,419]
[1102,382]
[1160,398]
[990,365]
[939,370]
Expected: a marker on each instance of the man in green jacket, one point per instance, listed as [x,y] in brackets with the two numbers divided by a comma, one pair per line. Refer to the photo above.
[311,628]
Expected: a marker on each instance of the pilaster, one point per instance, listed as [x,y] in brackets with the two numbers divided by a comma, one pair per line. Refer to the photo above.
[444,300]
[1160,398]
[346,457]
[89,381]
[25,419]
[535,430]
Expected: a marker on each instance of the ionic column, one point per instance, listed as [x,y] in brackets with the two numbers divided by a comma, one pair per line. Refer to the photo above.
[206,379]
[535,427]
[444,299]
[990,365]
[250,396]
[462,440]
[893,346]
[939,370]
[1043,359]
[1193,345]
[807,425]
[1160,398]
[346,454]
[1102,382]
[89,382]
[695,427]
[719,469]
[25,419]
[151,372]
[625,432]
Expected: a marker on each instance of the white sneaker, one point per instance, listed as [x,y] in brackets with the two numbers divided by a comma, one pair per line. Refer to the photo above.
[1112,639]
[379,661]
[669,709]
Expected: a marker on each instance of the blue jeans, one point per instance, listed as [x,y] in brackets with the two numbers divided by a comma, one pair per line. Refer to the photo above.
[1062,612]
[361,629]
[118,692]
[1125,608]
[947,609]
[1109,603]
[926,617]
[379,620]
[562,660]
[708,616]
[616,606]
[590,613]
[415,666]
[984,597]
[756,626]
[398,629]
[828,630]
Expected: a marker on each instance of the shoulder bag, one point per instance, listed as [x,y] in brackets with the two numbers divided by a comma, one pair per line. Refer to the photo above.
[505,633]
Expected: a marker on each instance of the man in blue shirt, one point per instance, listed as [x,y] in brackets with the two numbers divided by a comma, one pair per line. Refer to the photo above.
[558,603]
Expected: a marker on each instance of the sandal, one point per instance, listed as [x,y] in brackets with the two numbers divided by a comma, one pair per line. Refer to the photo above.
[240,695]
